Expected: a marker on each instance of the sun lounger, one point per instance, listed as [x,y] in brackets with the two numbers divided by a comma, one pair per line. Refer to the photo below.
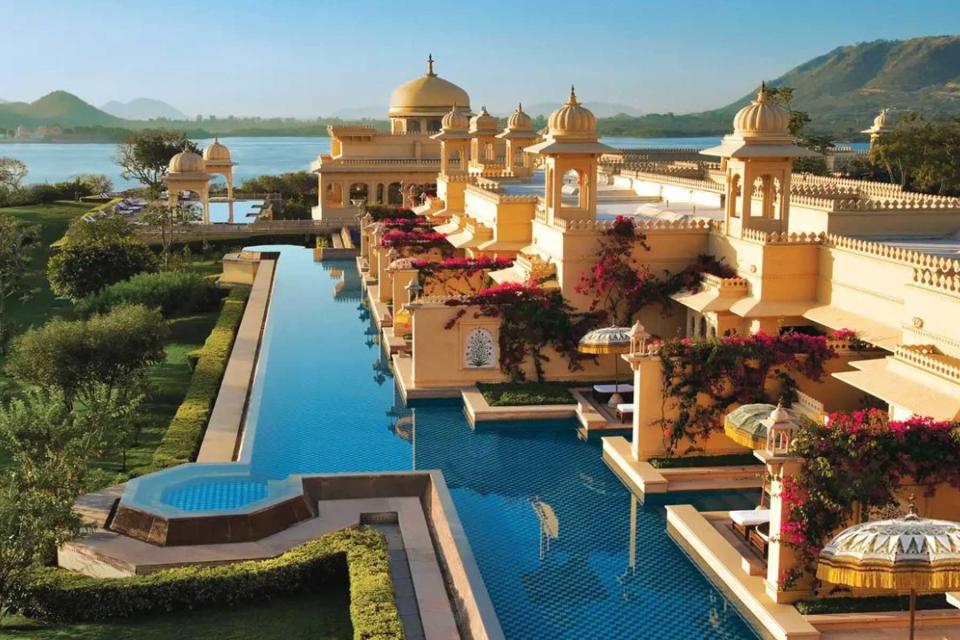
[613,388]
[750,517]
[625,410]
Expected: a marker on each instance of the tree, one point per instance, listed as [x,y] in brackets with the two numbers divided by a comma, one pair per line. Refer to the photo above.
[921,155]
[97,183]
[167,219]
[50,447]
[12,173]
[83,268]
[146,154]
[109,353]
[104,228]
[16,239]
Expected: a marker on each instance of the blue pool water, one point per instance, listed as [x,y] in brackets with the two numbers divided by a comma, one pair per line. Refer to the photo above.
[551,527]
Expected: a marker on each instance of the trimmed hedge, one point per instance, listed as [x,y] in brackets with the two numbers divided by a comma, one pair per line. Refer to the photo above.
[174,292]
[522,394]
[870,604]
[728,460]
[182,439]
[359,555]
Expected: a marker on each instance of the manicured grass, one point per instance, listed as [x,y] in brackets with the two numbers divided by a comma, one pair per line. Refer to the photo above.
[732,460]
[53,220]
[870,605]
[170,380]
[311,616]
[518,394]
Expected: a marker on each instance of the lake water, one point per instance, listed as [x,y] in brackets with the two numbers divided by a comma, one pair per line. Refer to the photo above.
[254,156]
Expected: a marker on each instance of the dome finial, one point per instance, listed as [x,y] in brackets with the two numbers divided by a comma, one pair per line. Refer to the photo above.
[762,94]
[430,65]
[520,107]
[573,96]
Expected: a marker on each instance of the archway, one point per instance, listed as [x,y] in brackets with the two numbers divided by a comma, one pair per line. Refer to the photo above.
[358,193]
[394,194]
[571,196]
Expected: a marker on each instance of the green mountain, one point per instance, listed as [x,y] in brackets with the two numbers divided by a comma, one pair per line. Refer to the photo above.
[842,90]
[58,107]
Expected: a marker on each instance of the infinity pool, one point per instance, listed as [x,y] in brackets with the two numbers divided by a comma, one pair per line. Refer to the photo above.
[563,548]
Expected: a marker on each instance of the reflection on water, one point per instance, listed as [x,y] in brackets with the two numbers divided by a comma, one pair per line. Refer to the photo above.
[564,549]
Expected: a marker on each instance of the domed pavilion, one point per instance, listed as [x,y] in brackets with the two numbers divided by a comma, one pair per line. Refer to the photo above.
[418,105]
[187,178]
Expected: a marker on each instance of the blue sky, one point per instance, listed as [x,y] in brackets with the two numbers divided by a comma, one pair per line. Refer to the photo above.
[310,58]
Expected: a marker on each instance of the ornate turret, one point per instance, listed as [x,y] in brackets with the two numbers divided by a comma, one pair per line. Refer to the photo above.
[572,120]
[186,161]
[483,122]
[519,120]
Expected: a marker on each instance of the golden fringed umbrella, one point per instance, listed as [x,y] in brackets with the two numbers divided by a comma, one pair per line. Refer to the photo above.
[749,424]
[599,342]
[908,553]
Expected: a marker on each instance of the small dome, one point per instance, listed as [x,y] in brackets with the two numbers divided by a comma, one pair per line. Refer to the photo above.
[455,120]
[762,117]
[216,152]
[186,162]
[572,120]
[427,94]
[483,121]
[519,120]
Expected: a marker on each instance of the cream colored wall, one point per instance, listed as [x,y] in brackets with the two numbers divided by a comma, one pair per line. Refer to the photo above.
[391,146]
[864,285]
[438,352]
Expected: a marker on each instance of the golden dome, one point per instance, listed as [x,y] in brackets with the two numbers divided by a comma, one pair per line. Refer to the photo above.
[483,122]
[572,120]
[427,95]
[762,117]
[519,120]
[186,162]
[216,152]
[455,120]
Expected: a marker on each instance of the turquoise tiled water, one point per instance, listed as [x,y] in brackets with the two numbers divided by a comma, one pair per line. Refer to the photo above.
[215,494]
[563,550]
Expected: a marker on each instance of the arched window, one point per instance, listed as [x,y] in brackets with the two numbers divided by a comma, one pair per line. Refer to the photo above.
[434,125]
[479,350]
[570,196]
[358,192]
[394,194]
[413,126]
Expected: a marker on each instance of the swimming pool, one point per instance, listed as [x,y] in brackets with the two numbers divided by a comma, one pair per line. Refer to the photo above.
[244,211]
[551,527]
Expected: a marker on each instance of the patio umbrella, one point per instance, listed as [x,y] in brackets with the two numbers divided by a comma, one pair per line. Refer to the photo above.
[908,553]
[748,424]
[615,340]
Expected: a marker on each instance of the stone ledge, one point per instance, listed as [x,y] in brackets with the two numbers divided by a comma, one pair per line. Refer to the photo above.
[477,409]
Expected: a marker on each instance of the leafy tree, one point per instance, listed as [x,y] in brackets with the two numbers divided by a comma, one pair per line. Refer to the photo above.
[107,353]
[146,154]
[80,269]
[168,219]
[16,239]
[12,173]
[97,183]
[921,155]
[105,228]
[298,189]
[50,446]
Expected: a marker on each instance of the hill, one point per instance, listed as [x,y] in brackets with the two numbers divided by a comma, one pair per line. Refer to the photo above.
[143,109]
[841,90]
[58,107]
[599,109]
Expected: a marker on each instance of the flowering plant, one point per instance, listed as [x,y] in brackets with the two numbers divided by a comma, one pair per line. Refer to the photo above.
[413,238]
[731,370]
[382,212]
[404,223]
[622,286]
[462,264]
[853,466]
[532,318]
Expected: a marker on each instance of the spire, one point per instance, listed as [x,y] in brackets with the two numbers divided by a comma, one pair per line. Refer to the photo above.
[430,65]
[762,94]
[519,107]
[573,96]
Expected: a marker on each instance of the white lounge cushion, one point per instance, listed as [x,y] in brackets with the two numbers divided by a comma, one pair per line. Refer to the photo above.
[613,388]
[626,407]
[750,517]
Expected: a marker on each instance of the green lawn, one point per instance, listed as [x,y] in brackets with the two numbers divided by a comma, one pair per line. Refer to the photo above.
[313,616]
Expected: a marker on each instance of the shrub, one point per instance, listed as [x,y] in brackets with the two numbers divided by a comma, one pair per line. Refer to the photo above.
[58,595]
[182,438]
[513,394]
[73,355]
[82,269]
[174,292]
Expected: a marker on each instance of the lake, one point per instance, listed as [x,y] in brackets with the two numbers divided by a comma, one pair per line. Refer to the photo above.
[51,162]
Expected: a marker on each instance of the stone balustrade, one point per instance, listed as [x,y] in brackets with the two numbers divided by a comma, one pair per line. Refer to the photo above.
[889,252]
[736,283]
[943,281]
[928,358]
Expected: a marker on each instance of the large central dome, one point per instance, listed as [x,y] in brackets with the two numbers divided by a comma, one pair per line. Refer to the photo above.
[427,95]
